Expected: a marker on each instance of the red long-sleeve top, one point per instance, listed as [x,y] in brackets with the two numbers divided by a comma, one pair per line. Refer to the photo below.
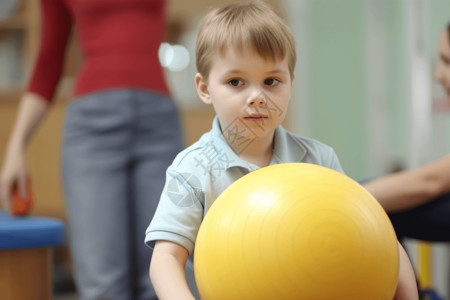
[119,40]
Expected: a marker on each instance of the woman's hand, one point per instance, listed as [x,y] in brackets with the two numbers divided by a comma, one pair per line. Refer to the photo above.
[13,173]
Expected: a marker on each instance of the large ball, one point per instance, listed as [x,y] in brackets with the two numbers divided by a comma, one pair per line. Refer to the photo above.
[296,231]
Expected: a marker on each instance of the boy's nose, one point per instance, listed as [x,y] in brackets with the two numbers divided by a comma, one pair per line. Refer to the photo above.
[257,99]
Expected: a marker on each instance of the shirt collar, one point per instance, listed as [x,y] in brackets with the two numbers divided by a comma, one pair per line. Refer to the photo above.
[286,149]
[219,141]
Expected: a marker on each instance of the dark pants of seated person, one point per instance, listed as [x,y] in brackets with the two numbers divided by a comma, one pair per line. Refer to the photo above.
[427,222]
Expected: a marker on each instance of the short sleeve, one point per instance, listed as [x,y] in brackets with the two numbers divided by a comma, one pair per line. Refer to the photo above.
[180,211]
[55,31]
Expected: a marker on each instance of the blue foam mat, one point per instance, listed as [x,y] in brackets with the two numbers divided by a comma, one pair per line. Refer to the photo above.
[30,232]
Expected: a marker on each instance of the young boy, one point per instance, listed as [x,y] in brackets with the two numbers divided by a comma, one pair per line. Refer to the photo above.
[245,61]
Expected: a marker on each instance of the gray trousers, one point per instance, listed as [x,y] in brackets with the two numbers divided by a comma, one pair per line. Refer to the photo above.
[116,148]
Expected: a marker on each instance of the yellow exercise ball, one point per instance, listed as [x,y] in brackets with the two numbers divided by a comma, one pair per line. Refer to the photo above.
[296,231]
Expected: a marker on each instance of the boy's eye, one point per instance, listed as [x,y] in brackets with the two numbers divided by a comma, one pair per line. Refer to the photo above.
[235,82]
[271,81]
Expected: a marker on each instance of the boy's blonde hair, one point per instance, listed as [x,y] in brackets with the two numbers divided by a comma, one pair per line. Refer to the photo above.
[242,25]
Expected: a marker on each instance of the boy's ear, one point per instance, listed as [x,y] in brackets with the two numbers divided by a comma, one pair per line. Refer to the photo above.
[202,88]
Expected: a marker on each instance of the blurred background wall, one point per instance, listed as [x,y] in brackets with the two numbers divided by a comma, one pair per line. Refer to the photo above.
[364,68]
[365,86]
[353,76]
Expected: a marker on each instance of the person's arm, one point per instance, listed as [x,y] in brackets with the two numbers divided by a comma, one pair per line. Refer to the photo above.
[407,284]
[411,188]
[55,30]
[56,27]
[167,271]
[14,170]
[31,111]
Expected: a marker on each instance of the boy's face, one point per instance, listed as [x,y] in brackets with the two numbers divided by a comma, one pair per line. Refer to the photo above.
[250,95]
[442,73]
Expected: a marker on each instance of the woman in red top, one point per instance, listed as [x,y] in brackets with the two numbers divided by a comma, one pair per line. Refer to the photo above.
[121,132]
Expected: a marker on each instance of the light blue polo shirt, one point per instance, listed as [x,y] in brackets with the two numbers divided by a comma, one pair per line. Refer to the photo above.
[201,172]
